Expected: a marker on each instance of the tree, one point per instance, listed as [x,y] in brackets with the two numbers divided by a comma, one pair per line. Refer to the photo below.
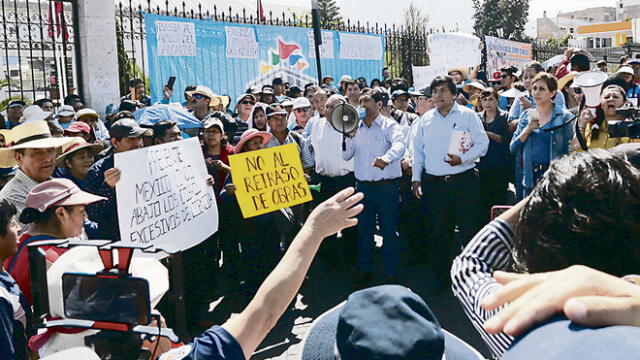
[564,42]
[509,15]
[415,20]
[329,14]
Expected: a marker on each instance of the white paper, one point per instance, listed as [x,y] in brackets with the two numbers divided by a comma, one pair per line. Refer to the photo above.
[423,75]
[454,50]
[163,199]
[360,47]
[326,48]
[460,142]
[176,38]
[241,42]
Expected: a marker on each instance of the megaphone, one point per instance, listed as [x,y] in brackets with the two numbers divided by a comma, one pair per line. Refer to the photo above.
[591,84]
[344,120]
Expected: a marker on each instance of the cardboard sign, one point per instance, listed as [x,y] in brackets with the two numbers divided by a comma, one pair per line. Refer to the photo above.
[454,50]
[241,42]
[163,198]
[269,179]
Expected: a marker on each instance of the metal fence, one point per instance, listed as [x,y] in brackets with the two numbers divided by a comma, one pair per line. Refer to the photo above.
[403,47]
[37,47]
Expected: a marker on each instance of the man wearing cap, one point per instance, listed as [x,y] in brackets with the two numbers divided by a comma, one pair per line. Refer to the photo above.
[300,115]
[74,100]
[92,118]
[377,149]
[244,104]
[35,152]
[277,121]
[278,89]
[294,92]
[448,183]
[80,129]
[343,81]
[400,112]
[14,113]
[200,101]
[507,78]
[102,178]
[65,116]
[266,95]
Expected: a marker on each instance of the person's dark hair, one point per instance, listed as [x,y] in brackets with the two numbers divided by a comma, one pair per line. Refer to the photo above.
[444,80]
[399,84]
[31,215]
[310,89]
[580,62]
[40,102]
[69,99]
[127,105]
[376,94]
[549,80]
[383,70]
[135,82]
[535,66]
[7,210]
[623,59]
[161,127]
[617,81]
[511,70]
[374,82]
[520,86]
[122,115]
[489,92]
[585,210]
[349,82]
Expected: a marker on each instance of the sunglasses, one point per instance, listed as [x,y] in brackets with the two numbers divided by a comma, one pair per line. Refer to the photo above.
[247,102]
[504,76]
[303,109]
[577,91]
[198,96]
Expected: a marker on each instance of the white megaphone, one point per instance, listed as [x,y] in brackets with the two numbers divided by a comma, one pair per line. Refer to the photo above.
[591,84]
[344,120]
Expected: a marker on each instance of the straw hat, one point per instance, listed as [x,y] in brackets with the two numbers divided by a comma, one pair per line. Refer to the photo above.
[464,72]
[32,135]
[78,143]
[250,134]
[563,81]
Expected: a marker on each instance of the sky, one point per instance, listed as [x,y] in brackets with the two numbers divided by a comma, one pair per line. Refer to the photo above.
[445,13]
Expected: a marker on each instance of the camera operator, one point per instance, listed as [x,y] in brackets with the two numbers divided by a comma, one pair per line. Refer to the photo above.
[608,128]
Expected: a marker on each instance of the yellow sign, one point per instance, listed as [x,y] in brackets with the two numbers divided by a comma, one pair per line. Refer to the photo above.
[269,179]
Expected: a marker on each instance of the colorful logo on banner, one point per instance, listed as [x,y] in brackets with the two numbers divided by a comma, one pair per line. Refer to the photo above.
[287,54]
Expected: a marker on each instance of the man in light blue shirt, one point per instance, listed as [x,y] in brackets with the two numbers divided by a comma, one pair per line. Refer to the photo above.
[377,149]
[447,182]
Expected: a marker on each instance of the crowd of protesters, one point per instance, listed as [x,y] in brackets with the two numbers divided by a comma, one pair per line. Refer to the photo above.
[531,142]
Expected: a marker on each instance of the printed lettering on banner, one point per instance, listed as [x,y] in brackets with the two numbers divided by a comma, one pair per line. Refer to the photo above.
[163,198]
[454,50]
[175,37]
[326,48]
[241,42]
[423,75]
[269,179]
[360,47]
[502,53]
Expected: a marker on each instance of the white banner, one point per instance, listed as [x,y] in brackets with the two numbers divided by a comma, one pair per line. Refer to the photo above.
[360,47]
[454,50]
[423,75]
[174,37]
[326,48]
[163,199]
[241,42]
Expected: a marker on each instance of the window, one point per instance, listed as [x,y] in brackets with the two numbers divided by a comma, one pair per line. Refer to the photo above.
[571,30]
[590,43]
[606,42]
[563,29]
[597,42]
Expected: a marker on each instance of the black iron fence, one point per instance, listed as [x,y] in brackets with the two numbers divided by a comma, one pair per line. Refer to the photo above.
[403,47]
[37,47]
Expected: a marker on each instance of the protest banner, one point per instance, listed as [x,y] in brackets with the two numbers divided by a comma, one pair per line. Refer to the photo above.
[175,38]
[241,42]
[163,199]
[423,75]
[454,50]
[503,53]
[269,179]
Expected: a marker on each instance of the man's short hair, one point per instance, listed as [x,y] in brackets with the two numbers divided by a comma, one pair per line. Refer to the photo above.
[376,94]
[444,80]
[135,82]
[69,99]
[535,66]
[349,82]
[161,127]
[580,62]
[7,210]
[585,210]
[511,70]
[399,84]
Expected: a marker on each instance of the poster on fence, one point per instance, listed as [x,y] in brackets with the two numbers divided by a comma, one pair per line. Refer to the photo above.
[269,179]
[423,75]
[231,57]
[454,50]
[502,53]
[165,203]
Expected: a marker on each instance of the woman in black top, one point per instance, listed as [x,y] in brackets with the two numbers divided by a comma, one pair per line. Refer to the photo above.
[494,166]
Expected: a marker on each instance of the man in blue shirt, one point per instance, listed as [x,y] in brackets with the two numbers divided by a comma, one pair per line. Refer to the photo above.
[447,183]
[14,113]
[377,149]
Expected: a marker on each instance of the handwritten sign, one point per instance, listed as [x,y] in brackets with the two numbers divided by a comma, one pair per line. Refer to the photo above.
[175,37]
[163,198]
[268,180]
[326,48]
[423,75]
[454,50]
[503,53]
[360,47]
[241,42]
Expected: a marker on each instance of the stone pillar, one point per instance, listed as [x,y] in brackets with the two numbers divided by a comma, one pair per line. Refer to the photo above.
[98,53]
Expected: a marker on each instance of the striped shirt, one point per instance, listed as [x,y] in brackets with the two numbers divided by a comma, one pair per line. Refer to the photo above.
[472,279]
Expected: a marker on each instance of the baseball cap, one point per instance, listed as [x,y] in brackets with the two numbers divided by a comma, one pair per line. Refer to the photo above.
[625,70]
[13,103]
[126,128]
[267,89]
[397,93]
[287,102]
[244,96]
[422,92]
[346,78]
[66,110]
[78,126]
[301,102]
[111,109]
[58,192]
[214,121]
[87,112]
[367,326]
[276,109]
[202,90]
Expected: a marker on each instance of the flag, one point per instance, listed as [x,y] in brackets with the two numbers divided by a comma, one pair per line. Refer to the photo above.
[293,59]
[261,17]
[275,59]
[59,21]
[302,65]
[285,50]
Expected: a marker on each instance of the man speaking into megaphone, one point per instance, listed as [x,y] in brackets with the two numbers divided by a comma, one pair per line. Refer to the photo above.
[377,147]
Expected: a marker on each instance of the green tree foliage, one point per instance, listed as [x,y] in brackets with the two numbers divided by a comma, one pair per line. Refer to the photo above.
[329,14]
[510,15]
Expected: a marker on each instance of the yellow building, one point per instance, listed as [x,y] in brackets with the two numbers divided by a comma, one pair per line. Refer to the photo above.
[612,34]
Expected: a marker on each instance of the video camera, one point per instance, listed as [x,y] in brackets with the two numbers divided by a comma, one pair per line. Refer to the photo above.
[630,129]
[111,301]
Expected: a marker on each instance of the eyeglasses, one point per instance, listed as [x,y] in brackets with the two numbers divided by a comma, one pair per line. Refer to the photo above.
[303,109]
[247,102]
[198,96]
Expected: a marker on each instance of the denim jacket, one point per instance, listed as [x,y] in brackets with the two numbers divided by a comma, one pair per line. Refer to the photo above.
[560,139]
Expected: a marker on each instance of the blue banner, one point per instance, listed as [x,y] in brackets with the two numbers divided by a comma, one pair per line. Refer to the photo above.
[230,57]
